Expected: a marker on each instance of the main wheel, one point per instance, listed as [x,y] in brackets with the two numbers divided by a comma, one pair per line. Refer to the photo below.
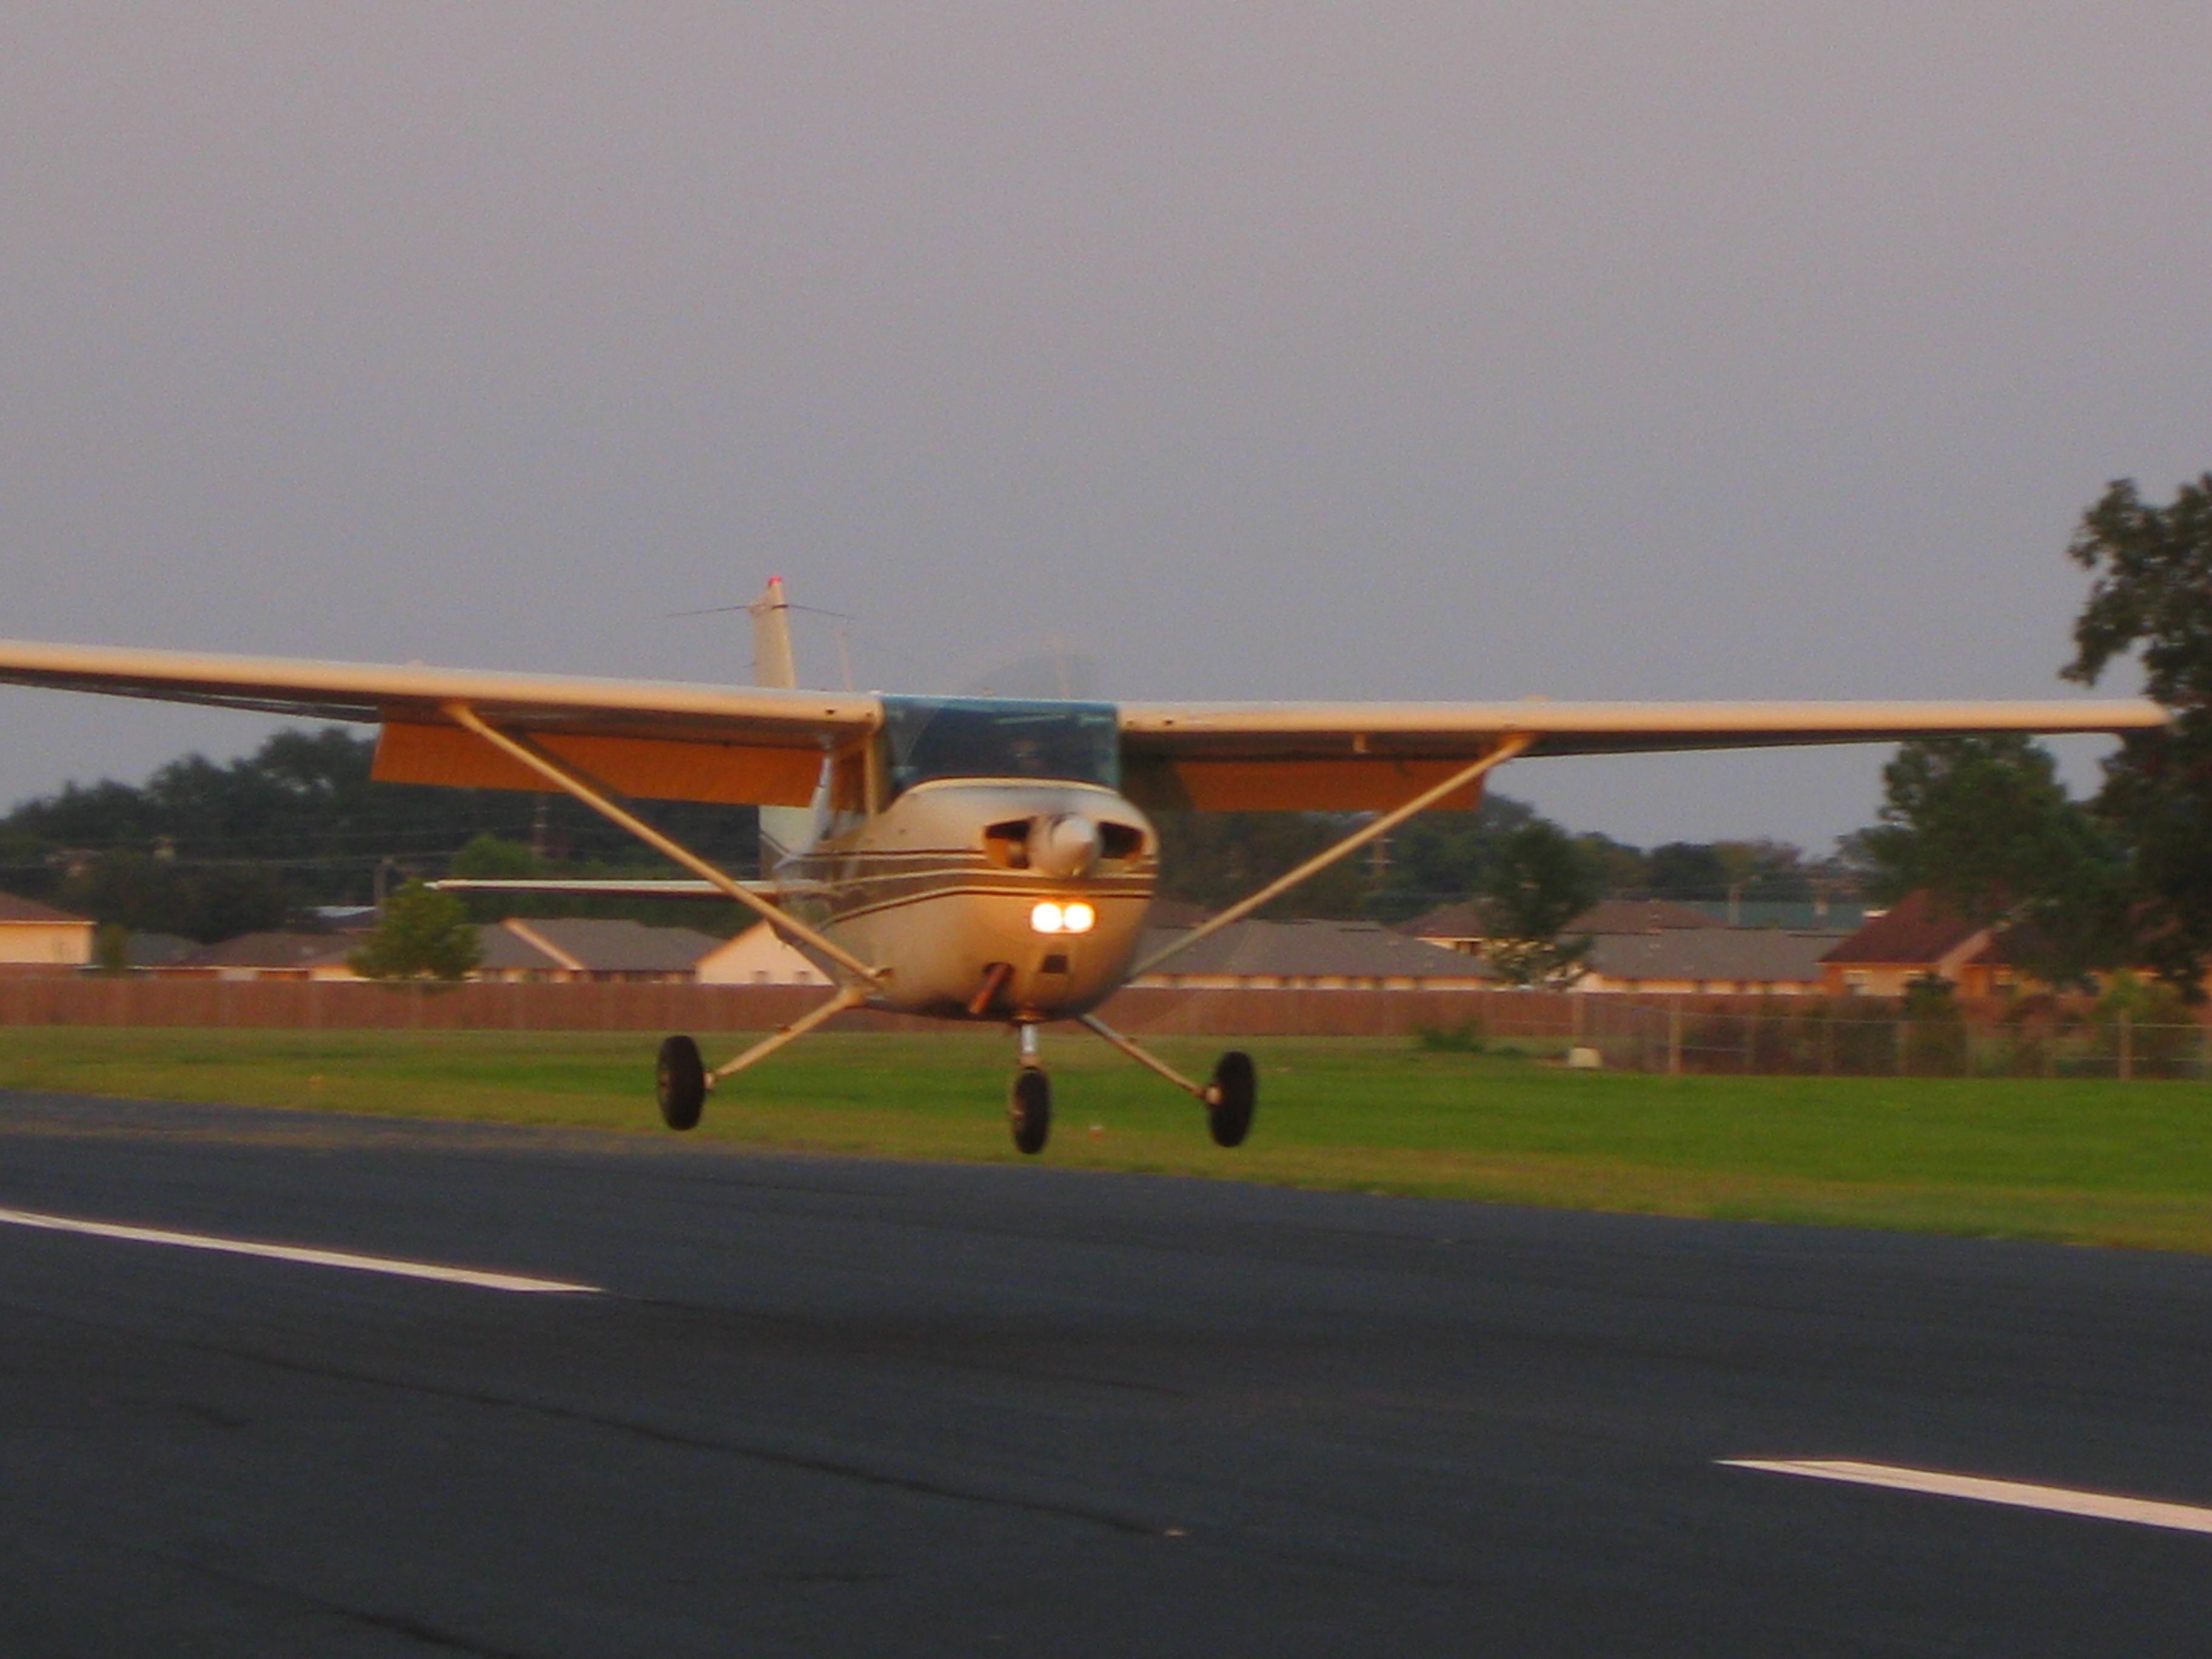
[1230,1098]
[1028,1109]
[681,1080]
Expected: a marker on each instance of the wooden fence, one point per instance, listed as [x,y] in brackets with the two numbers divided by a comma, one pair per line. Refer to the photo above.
[1805,1034]
[299,1005]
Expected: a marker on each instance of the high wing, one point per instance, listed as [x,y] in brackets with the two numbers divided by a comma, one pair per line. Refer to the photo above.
[763,746]
[742,744]
[1257,757]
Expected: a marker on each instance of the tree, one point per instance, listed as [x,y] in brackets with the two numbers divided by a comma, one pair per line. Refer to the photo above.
[1442,856]
[146,894]
[423,935]
[1215,858]
[1984,823]
[1538,882]
[2153,597]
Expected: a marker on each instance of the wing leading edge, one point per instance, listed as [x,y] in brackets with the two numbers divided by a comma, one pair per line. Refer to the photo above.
[1369,756]
[763,746]
[740,745]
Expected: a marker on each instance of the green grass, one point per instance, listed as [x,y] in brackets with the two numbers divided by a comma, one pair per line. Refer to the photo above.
[2090,1162]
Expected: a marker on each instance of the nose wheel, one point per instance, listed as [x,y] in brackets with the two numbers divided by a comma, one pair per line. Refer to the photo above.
[1028,1109]
[1029,1102]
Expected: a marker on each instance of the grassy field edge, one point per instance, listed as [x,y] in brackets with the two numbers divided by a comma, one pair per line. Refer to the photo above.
[2082,1162]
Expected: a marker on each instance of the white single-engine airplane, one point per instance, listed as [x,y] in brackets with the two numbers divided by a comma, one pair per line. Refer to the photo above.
[973,859]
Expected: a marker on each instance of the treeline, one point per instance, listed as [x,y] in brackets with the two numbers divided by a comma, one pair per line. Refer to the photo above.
[210,850]
[1214,859]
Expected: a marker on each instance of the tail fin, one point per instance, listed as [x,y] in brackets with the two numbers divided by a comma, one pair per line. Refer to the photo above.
[772,658]
[784,830]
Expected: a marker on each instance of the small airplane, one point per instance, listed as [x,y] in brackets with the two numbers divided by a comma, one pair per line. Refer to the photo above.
[971,858]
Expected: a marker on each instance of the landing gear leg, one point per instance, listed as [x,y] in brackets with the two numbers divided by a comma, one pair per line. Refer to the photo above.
[681,1078]
[1229,1099]
[1029,1102]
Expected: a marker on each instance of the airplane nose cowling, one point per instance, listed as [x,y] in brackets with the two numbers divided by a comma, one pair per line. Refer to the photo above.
[1065,846]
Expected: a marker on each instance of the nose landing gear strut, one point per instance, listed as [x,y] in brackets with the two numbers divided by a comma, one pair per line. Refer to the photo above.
[1029,1102]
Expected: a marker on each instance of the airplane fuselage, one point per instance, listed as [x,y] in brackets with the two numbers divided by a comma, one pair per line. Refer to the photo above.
[987,898]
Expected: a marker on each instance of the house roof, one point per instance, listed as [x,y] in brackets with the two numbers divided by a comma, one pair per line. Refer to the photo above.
[603,945]
[272,951]
[1314,949]
[157,949]
[1175,913]
[13,908]
[500,949]
[1463,919]
[1918,929]
[1755,955]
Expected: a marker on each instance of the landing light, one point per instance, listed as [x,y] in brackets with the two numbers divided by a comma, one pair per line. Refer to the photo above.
[1051,918]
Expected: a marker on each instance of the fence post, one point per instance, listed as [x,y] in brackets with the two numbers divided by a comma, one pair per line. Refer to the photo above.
[1904,1047]
[1828,1043]
[1750,1044]
[2127,1047]
[1674,1037]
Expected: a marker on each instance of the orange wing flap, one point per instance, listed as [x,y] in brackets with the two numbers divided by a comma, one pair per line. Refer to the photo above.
[648,769]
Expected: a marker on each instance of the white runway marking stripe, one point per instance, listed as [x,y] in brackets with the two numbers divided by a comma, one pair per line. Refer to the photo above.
[2061,1500]
[366,1264]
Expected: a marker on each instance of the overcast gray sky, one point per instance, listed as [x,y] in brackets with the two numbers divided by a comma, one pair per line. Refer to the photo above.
[1413,350]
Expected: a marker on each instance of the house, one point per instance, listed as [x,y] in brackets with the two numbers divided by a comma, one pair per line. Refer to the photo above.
[590,948]
[1919,937]
[36,938]
[1311,954]
[757,956]
[1695,961]
[504,957]
[269,955]
[142,953]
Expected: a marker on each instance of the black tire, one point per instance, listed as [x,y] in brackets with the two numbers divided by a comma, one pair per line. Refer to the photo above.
[1230,1099]
[681,1078]
[1028,1109]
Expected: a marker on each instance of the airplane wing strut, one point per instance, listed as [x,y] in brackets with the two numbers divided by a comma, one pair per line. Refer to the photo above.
[570,781]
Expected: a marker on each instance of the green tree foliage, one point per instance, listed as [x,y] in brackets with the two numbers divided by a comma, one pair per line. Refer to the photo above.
[2152,598]
[1762,871]
[1214,859]
[1539,881]
[295,823]
[1440,857]
[422,935]
[1986,824]
[142,893]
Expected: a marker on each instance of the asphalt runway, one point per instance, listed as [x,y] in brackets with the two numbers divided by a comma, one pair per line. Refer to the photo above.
[819,1405]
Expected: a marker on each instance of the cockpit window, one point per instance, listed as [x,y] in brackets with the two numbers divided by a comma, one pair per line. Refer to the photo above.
[926,737]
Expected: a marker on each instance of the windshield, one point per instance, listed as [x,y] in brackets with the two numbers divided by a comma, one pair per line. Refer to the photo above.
[926,737]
